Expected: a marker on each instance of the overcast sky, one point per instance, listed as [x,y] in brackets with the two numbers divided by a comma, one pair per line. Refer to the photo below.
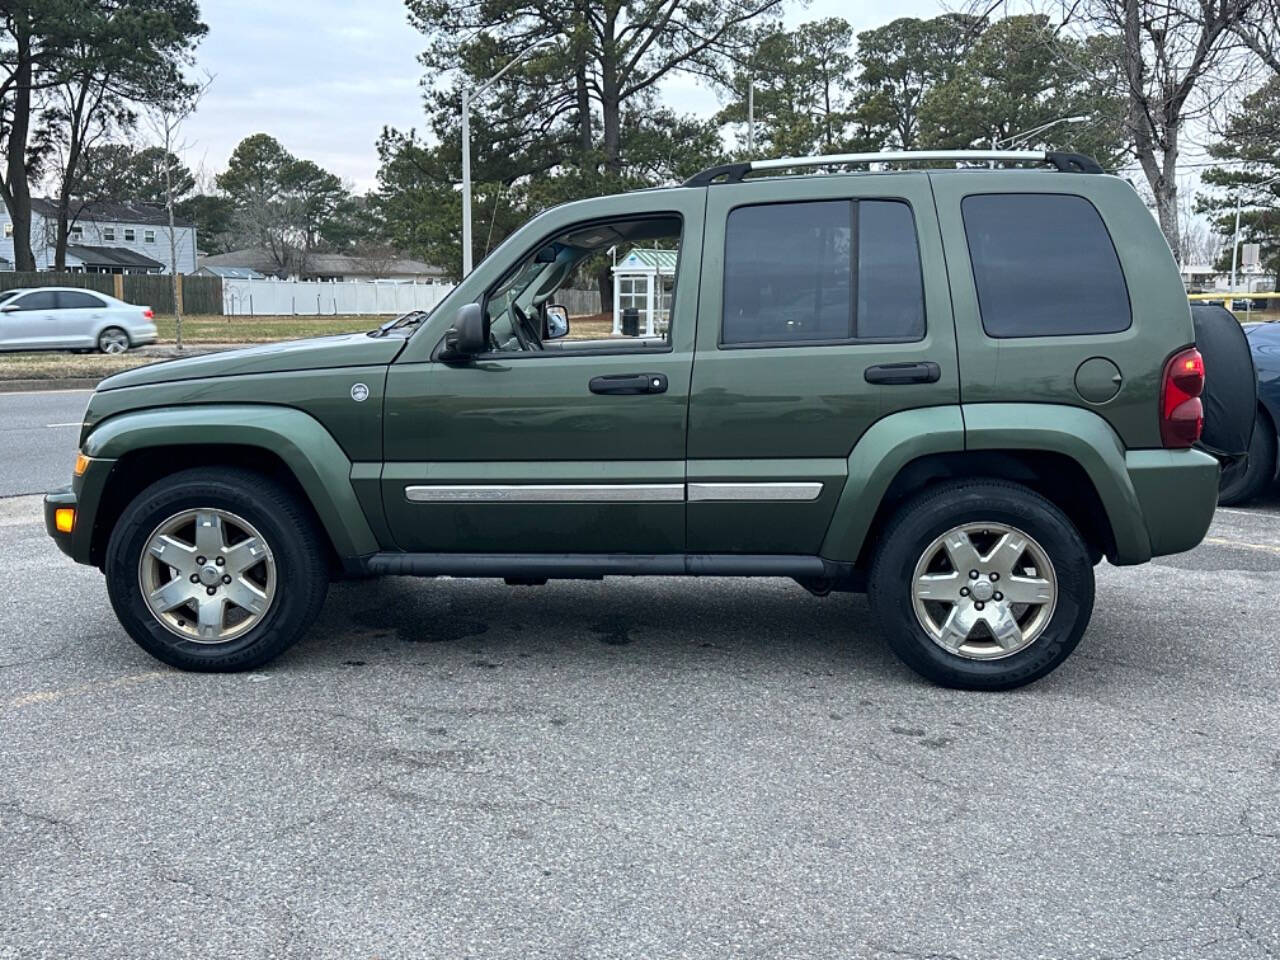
[325,76]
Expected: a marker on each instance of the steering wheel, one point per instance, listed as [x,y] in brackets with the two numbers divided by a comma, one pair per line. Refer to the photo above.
[524,330]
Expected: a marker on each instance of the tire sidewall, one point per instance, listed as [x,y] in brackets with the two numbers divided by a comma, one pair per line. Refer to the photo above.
[1260,468]
[927,518]
[290,550]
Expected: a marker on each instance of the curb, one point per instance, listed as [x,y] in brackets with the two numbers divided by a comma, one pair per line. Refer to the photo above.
[35,386]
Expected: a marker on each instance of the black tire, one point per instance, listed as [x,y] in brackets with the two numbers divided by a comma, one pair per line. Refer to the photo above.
[291,533]
[919,522]
[1242,482]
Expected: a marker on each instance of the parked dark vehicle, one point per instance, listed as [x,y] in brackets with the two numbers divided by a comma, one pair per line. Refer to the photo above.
[1252,478]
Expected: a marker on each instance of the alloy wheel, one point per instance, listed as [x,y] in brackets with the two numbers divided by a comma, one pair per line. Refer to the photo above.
[113,341]
[984,591]
[207,575]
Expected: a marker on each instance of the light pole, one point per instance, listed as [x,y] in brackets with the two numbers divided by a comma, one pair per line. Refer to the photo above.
[467,97]
[1235,241]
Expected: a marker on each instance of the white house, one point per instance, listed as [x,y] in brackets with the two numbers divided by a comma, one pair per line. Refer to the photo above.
[644,280]
[105,237]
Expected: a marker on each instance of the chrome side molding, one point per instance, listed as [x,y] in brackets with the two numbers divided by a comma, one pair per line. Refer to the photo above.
[546,493]
[699,492]
[702,492]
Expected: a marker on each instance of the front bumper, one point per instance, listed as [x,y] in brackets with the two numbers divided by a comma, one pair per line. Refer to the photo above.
[84,495]
[53,501]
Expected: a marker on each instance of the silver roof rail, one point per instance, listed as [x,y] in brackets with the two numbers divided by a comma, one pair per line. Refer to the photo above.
[734,172]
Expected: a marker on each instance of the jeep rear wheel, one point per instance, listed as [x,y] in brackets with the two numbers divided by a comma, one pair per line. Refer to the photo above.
[216,569]
[982,585]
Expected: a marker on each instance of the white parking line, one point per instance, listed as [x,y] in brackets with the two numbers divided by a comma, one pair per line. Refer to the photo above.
[1241,544]
[73,423]
[1266,515]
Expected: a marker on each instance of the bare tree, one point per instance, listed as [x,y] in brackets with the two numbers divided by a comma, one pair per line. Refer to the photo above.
[165,119]
[1180,59]
[84,111]
[1260,32]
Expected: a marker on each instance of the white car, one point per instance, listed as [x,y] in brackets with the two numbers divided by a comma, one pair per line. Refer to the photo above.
[67,318]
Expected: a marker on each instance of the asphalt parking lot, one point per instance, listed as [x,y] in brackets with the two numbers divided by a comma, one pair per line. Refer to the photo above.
[647,768]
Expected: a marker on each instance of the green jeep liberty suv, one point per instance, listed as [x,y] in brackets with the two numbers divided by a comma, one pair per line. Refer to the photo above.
[956,389]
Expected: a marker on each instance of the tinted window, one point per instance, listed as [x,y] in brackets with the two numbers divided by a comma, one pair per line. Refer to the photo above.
[1044,265]
[789,273]
[40,300]
[75,300]
[890,286]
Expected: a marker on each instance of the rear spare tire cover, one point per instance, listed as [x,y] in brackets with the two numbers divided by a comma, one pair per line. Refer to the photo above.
[1230,383]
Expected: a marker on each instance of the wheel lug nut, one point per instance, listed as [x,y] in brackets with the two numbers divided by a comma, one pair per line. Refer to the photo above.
[997,595]
[220,561]
[227,579]
[211,591]
[964,591]
[973,574]
[195,578]
[978,605]
[994,577]
[200,560]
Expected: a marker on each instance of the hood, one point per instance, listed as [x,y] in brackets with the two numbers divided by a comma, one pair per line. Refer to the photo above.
[343,350]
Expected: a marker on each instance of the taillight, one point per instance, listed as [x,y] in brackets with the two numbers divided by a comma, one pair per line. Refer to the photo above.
[1181,412]
[148,314]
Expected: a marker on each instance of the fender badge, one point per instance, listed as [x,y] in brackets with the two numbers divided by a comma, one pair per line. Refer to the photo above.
[359,392]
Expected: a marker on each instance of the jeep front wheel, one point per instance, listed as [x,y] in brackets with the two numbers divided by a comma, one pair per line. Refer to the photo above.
[982,585]
[216,569]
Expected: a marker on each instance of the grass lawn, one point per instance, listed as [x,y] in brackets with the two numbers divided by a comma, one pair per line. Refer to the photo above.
[198,330]
[201,332]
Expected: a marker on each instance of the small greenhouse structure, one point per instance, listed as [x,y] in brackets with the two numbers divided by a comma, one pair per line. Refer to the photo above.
[643,281]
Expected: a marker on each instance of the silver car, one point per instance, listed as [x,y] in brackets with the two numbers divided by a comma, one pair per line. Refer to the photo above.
[67,318]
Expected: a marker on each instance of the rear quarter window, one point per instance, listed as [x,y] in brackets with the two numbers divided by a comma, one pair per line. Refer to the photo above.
[1044,265]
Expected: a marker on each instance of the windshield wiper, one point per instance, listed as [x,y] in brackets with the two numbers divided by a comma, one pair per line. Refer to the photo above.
[404,321]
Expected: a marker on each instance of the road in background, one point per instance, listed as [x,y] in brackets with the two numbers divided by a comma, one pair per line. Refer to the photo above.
[38,434]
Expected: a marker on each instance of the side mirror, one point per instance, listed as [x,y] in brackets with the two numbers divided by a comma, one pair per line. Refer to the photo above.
[557,322]
[9,308]
[468,336]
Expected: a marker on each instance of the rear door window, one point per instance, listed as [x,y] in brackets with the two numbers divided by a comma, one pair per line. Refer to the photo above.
[75,300]
[839,271]
[1044,266]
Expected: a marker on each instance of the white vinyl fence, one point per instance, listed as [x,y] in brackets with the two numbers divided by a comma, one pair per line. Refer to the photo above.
[324,298]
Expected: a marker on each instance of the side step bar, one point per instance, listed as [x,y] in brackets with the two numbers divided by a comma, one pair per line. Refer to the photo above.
[593,566]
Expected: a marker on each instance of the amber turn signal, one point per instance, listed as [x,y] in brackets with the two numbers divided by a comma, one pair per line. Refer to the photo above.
[64,518]
[82,464]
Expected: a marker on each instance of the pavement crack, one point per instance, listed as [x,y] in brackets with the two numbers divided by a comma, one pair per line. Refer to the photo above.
[48,819]
[1218,896]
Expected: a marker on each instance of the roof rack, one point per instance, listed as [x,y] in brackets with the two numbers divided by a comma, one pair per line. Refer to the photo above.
[734,172]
